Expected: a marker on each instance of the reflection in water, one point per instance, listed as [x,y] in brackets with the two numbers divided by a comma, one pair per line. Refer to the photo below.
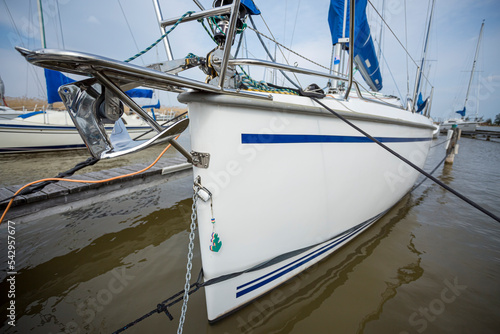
[97,265]
[447,174]
[95,269]
[302,296]
[103,255]
[405,275]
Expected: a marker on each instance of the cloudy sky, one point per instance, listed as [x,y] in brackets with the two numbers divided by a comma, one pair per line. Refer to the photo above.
[119,28]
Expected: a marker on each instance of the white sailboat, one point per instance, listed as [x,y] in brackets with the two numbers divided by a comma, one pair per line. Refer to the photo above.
[464,123]
[281,179]
[49,129]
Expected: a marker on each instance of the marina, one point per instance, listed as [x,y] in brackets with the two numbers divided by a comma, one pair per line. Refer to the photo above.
[484,133]
[69,261]
[318,199]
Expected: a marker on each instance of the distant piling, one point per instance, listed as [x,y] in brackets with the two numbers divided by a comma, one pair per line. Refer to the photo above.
[452,145]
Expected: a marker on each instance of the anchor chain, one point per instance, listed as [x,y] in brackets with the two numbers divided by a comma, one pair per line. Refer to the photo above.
[189,265]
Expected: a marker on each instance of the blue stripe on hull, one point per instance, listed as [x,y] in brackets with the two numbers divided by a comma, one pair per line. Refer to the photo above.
[253,138]
[62,127]
[40,148]
[267,278]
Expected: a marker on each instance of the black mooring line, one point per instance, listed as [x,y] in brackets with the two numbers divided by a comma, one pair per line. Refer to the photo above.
[453,191]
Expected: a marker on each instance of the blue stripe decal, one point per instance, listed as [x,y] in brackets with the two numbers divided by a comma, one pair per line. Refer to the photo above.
[254,138]
[40,148]
[37,127]
[62,127]
[299,262]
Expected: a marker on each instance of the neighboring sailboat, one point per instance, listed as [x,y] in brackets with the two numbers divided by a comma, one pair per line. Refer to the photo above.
[281,181]
[463,123]
[5,111]
[49,129]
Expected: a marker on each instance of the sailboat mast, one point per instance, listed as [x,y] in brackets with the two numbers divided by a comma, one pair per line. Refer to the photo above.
[474,63]
[381,32]
[351,47]
[424,55]
[42,25]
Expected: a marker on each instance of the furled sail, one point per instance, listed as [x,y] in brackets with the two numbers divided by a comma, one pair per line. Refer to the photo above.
[461,112]
[365,56]
[55,79]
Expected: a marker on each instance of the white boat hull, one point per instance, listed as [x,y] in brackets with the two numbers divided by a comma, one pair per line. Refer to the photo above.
[463,125]
[33,135]
[290,176]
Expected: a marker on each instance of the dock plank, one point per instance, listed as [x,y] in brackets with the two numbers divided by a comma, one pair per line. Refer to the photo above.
[62,192]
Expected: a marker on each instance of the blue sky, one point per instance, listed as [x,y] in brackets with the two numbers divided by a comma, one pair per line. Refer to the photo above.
[119,28]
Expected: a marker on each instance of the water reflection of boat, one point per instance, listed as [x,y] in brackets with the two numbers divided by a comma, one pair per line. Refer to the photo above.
[304,300]
[281,181]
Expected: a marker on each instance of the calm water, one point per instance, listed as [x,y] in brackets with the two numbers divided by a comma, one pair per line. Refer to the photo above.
[431,265]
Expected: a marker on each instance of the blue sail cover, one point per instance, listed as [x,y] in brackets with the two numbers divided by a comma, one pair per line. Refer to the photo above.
[54,80]
[365,56]
[140,92]
[461,112]
[155,106]
[252,9]
[421,103]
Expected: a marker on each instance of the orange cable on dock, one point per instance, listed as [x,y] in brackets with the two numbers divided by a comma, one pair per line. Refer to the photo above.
[82,181]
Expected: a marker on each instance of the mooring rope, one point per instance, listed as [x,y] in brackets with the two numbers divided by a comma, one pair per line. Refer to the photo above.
[262,86]
[441,143]
[420,170]
[177,297]
[137,55]
[17,193]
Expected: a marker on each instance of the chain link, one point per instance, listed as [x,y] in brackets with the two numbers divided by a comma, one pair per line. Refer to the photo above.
[189,265]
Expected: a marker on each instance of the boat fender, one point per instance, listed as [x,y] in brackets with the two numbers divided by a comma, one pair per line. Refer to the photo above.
[312,90]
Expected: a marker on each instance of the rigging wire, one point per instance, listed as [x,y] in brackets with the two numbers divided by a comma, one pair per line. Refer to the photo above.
[130,29]
[286,48]
[293,32]
[269,53]
[394,34]
[279,45]
[177,297]
[420,170]
[29,67]
[60,24]
[392,76]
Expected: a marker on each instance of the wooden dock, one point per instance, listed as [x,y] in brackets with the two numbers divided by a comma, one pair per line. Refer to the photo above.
[63,196]
[482,134]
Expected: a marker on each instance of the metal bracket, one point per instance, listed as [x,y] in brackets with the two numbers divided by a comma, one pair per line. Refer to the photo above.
[200,160]
[82,100]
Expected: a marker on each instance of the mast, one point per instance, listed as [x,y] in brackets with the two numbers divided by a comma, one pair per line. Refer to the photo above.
[381,32]
[424,55]
[42,25]
[351,47]
[166,43]
[474,63]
